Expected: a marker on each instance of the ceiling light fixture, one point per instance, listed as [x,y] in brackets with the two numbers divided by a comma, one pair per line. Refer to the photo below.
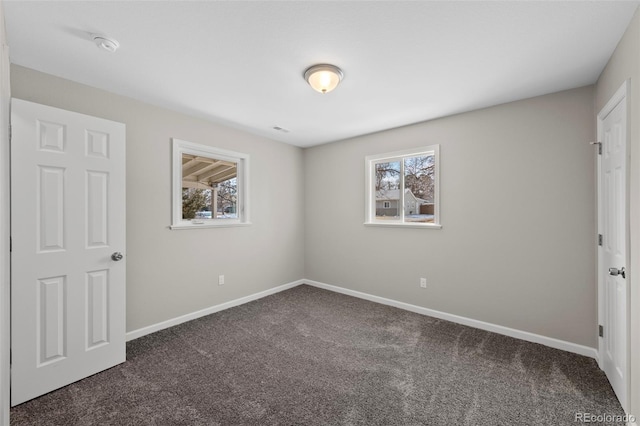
[323,77]
[106,43]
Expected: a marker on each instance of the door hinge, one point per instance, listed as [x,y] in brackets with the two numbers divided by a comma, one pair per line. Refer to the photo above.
[599,146]
[599,239]
[600,331]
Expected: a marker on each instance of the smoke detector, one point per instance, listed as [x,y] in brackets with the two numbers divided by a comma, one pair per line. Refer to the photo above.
[106,43]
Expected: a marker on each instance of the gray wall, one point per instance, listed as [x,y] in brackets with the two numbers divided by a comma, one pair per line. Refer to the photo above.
[517,192]
[517,247]
[625,64]
[172,273]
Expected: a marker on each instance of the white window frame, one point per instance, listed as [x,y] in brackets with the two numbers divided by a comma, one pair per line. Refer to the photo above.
[183,147]
[370,199]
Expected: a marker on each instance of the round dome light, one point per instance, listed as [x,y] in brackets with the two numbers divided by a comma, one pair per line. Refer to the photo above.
[323,77]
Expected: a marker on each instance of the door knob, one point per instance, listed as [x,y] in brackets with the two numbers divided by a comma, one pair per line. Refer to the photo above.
[615,272]
[117,256]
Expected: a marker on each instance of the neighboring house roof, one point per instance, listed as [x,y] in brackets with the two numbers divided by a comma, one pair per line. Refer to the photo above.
[387,194]
[393,194]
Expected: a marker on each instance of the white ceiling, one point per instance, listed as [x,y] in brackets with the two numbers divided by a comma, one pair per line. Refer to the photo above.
[241,62]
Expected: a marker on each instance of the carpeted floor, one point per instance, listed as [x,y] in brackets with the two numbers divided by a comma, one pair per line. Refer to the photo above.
[307,356]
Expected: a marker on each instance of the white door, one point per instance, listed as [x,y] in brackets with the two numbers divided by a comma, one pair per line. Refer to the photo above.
[612,132]
[67,219]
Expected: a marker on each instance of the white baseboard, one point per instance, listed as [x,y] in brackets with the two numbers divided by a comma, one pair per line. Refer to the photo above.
[131,335]
[518,334]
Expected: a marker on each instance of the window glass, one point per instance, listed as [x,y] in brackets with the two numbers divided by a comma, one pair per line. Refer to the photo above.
[419,186]
[209,188]
[387,187]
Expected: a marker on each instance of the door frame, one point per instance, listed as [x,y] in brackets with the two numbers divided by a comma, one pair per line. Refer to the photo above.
[5,225]
[621,95]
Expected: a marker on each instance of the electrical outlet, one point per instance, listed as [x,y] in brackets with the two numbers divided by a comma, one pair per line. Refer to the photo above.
[423,282]
[220,279]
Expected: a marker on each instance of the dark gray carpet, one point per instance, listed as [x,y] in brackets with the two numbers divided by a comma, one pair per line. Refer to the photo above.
[311,357]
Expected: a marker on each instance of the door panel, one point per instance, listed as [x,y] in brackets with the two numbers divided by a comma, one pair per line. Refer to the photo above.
[97,308]
[51,209]
[68,217]
[50,322]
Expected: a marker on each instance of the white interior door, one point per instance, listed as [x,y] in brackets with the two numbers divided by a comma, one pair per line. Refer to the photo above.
[612,129]
[67,219]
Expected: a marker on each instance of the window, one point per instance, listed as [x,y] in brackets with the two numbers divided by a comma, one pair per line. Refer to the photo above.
[402,188]
[209,186]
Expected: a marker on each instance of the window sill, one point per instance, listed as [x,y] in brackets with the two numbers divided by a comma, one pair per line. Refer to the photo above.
[207,224]
[405,225]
